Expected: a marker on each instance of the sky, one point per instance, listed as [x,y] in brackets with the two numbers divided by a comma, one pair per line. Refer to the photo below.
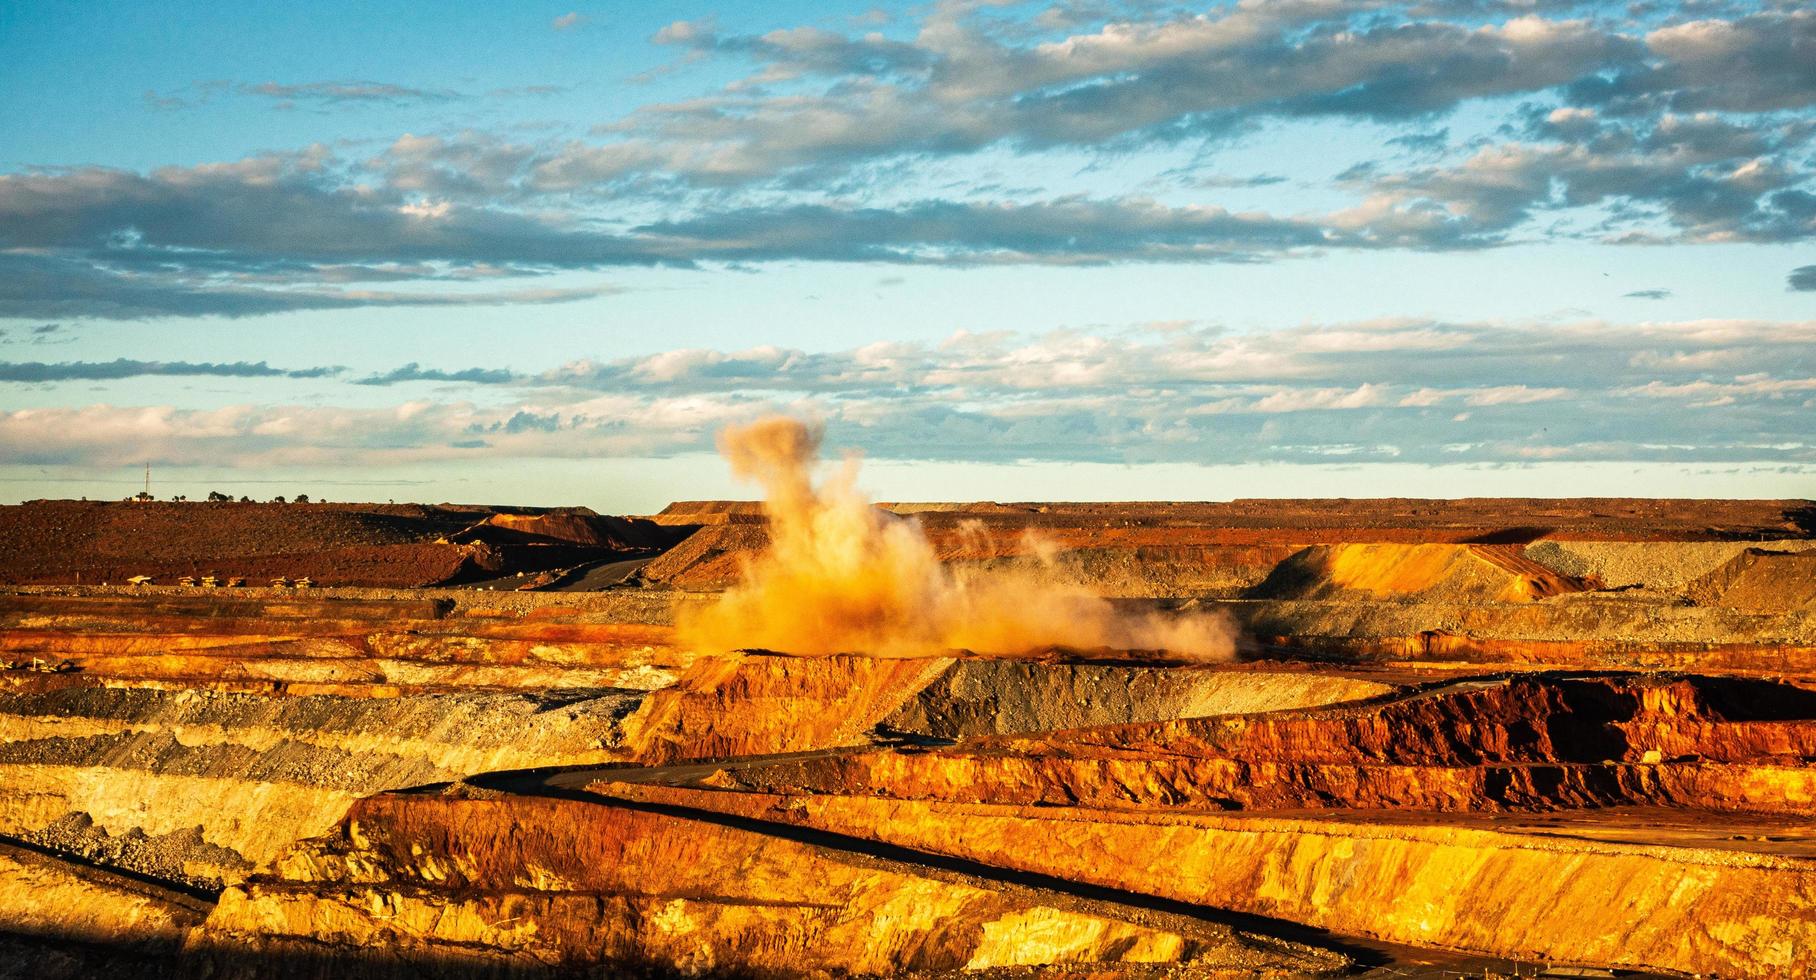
[517,253]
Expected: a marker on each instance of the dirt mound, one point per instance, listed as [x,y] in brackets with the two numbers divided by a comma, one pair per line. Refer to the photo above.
[996,697]
[709,559]
[703,512]
[1657,566]
[1424,572]
[579,527]
[749,704]
[1757,580]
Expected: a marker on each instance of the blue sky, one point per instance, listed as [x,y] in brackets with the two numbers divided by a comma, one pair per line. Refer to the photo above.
[1090,250]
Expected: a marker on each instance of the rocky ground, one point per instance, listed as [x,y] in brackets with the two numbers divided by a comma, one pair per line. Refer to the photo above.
[1471,738]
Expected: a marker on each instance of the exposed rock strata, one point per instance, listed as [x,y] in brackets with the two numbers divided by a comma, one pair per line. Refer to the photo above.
[539,882]
[240,776]
[1529,743]
[1415,751]
[1550,893]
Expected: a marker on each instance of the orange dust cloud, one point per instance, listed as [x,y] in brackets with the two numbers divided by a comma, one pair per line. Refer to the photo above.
[843,576]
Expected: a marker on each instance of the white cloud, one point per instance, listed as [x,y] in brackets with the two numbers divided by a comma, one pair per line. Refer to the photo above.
[1477,391]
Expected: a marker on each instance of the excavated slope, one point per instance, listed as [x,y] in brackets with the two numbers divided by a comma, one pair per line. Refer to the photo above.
[1761,581]
[995,697]
[449,783]
[200,787]
[1650,822]
[1650,890]
[1525,743]
[265,641]
[1591,630]
[190,738]
[709,559]
[528,884]
[61,919]
[1465,574]
[750,704]
[1666,567]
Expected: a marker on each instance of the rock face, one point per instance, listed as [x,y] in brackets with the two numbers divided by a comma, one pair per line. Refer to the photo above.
[757,704]
[559,883]
[1593,891]
[1527,744]
[44,897]
[200,787]
[1474,737]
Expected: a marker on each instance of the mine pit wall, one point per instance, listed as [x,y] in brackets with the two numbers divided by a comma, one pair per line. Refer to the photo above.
[1533,743]
[767,704]
[338,645]
[218,784]
[59,901]
[1142,780]
[227,758]
[757,704]
[536,882]
[263,724]
[1678,908]
[193,737]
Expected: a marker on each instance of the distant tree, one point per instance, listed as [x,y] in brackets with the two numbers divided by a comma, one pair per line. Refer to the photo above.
[279,499]
[217,497]
[179,498]
[245,499]
[302,498]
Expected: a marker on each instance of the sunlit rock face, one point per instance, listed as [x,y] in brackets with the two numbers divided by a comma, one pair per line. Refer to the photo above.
[576,883]
[1464,739]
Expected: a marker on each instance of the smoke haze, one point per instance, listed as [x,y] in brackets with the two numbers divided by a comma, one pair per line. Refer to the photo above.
[843,576]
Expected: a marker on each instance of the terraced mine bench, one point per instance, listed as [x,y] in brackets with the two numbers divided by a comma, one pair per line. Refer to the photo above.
[1443,745]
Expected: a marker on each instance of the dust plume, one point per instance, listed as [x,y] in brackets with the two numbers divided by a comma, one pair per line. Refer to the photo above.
[842,576]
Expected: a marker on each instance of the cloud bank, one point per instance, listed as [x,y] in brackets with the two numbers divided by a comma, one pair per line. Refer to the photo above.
[887,144]
[1413,391]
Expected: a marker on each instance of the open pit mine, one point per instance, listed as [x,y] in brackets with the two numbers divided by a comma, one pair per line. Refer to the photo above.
[821,737]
